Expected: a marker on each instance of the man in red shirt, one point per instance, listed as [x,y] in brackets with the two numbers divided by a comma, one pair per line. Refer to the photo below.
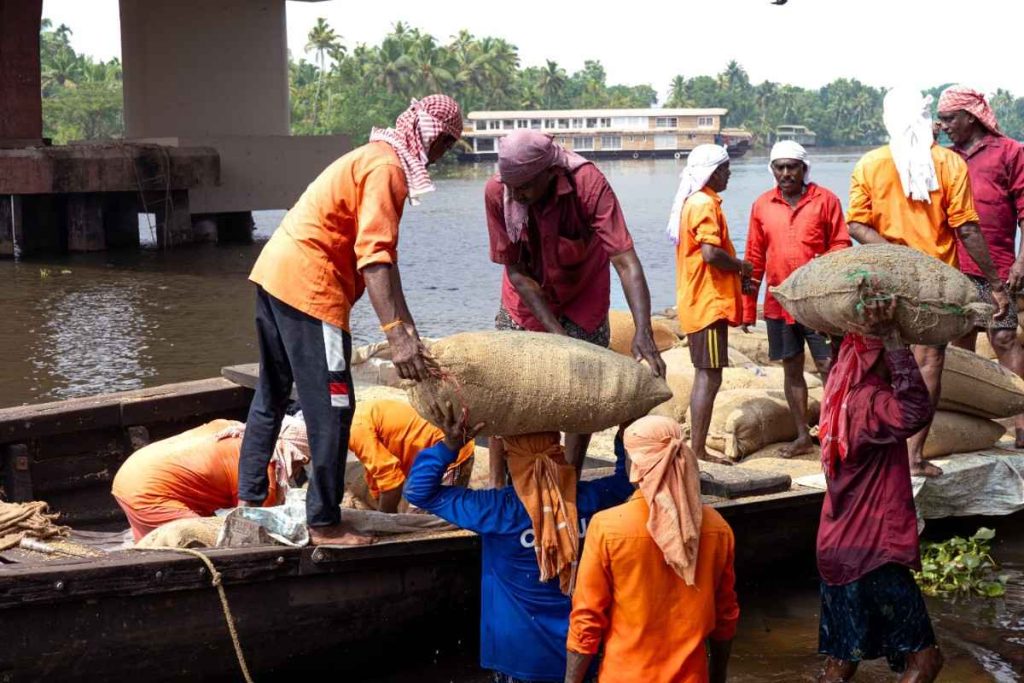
[789,225]
[555,224]
[995,164]
[867,544]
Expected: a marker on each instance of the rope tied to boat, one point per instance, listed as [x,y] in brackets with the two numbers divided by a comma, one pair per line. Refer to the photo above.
[216,580]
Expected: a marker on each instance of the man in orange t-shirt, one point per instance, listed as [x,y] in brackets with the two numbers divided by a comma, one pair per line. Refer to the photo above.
[386,437]
[709,280]
[918,194]
[342,231]
[195,473]
[655,587]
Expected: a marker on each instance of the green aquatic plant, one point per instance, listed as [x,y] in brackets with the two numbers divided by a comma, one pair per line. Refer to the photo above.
[961,566]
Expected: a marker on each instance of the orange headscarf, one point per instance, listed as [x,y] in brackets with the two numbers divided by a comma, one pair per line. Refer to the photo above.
[546,485]
[669,478]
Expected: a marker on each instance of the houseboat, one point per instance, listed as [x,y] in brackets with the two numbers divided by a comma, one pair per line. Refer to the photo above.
[607,133]
[799,134]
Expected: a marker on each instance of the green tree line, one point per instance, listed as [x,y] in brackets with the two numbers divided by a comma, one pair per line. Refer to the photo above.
[335,88]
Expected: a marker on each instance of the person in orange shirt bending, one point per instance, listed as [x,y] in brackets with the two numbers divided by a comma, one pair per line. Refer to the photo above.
[709,280]
[195,473]
[656,583]
[342,231]
[386,437]
[918,194]
[792,223]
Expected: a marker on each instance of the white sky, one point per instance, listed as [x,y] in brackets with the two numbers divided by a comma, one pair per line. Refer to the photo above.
[805,42]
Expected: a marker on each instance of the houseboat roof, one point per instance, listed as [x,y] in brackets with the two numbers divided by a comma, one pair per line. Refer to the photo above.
[592,113]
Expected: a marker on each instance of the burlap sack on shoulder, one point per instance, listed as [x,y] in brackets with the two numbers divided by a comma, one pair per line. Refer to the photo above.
[936,303]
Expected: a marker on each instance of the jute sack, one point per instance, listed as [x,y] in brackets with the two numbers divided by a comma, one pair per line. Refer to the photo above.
[958,433]
[371,364]
[976,386]
[984,347]
[671,324]
[747,420]
[936,303]
[754,345]
[678,357]
[525,382]
[195,532]
[623,329]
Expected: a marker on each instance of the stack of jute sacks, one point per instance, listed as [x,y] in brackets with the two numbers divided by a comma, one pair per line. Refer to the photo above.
[750,410]
[936,304]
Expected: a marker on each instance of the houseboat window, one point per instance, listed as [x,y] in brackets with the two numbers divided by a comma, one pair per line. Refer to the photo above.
[481,125]
[483,144]
[705,121]
[591,123]
[611,142]
[563,123]
[494,125]
[508,124]
[606,123]
[535,124]
[583,143]
[549,123]
[666,122]
[522,123]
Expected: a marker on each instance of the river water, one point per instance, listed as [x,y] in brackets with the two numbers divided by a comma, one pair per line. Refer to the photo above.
[112,321]
[92,323]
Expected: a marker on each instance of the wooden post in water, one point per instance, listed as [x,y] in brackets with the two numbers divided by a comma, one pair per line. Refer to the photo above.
[173,221]
[85,222]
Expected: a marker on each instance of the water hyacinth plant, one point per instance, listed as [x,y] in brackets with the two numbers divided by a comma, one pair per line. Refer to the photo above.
[961,566]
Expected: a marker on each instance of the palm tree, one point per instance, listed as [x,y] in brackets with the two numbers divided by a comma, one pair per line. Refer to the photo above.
[433,67]
[677,92]
[552,82]
[321,39]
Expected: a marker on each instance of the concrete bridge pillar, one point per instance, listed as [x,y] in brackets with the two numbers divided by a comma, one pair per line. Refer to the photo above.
[21,108]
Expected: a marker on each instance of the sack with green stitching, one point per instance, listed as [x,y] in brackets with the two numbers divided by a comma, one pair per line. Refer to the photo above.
[935,302]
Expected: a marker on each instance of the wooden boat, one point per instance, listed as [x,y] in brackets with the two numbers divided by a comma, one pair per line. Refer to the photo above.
[154,614]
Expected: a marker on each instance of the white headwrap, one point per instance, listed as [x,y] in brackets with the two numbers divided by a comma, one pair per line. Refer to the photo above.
[907,117]
[700,164]
[787,149]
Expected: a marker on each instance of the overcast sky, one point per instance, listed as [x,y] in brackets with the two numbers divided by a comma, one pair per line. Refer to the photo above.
[805,42]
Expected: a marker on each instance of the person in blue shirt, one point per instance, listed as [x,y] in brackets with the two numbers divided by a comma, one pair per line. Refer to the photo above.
[523,621]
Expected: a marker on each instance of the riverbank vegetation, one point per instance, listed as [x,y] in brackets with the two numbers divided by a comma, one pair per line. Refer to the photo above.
[337,87]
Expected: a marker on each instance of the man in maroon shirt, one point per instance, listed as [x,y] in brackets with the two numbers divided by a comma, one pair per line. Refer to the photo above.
[555,224]
[996,167]
[867,537]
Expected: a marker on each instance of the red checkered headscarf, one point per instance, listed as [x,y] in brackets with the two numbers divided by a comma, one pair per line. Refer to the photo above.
[958,97]
[415,131]
[857,356]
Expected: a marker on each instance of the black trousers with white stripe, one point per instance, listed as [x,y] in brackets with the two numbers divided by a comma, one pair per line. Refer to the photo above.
[296,347]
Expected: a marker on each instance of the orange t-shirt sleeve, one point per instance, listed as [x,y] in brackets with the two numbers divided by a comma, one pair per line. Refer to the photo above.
[592,597]
[378,212]
[960,200]
[838,232]
[859,210]
[727,608]
[703,222]
[755,254]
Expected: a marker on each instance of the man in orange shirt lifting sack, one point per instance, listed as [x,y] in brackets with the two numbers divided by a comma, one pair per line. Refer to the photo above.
[342,233]
[918,194]
[709,280]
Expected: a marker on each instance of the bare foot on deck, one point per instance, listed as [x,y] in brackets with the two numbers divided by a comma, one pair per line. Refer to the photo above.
[922,468]
[707,457]
[801,445]
[337,534]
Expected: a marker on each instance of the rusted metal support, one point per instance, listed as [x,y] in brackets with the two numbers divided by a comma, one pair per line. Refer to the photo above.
[16,473]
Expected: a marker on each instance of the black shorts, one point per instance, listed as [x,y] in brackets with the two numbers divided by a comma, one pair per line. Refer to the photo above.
[786,341]
[881,614]
[709,348]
